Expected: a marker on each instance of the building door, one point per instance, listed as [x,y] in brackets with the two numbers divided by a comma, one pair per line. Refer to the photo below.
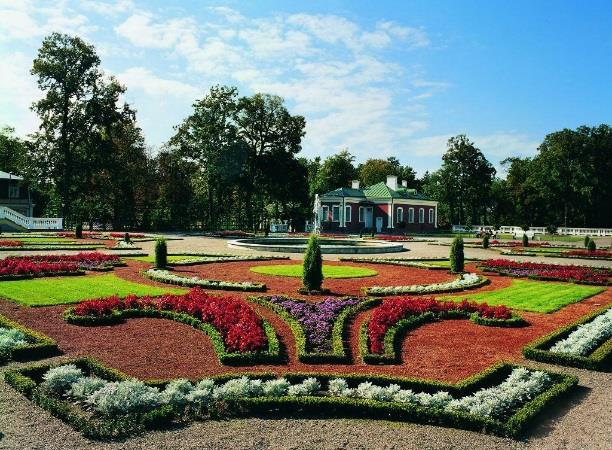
[368,217]
[379,224]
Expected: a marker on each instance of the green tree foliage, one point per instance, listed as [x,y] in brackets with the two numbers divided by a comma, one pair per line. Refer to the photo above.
[312,276]
[456,255]
[336,171]
[591,246]
[376,170]
[12,151]
[161,253]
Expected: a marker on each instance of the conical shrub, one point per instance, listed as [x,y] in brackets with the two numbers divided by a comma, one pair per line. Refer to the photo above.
[161,253]
[456,255]
[312,278]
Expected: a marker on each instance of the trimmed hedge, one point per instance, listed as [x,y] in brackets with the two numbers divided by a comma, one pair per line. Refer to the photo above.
[39,346]
[270,356]
[600,359]
[339,353]
[395,334]
[26,380]
[219,285]
[29,276]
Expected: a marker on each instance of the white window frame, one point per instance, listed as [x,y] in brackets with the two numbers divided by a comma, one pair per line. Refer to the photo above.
[431,215]
[325,217]
[13,191]
[410,215]
[399,215]
[421,215]
[348,212]
[361,214]
[335,208]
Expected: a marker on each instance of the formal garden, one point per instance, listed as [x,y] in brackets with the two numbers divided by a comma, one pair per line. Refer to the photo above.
[145,338]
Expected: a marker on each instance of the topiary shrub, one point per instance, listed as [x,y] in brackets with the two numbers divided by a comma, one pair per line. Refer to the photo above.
[456,255]
[525,240]
[126,237]
[485,241]
[161,253]
[312,278]
[591,245]
[587,239]
[78,231]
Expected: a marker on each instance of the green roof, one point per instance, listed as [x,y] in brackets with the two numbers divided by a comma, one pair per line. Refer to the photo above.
[377,191]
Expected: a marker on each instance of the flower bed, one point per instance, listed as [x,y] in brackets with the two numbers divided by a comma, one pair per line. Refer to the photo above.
[464,281]
[574,274]
[92,398]
[586,343]
[319,328]
[196,259]
[130,235]
[239,335]
[164,276]
[22,344]
[381,336]
[10,243]
[587,254]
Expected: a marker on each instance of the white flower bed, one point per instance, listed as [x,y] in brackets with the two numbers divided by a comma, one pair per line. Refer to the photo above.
[166,277]
[587,336]
[132,396]
[465,281]
[214,259]
[9,339]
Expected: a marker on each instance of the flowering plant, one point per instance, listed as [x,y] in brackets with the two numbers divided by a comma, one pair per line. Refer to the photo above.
[587,336]
[590,253]
[316,319]
[41,265]
[10,243]
[581,274]
[130,235]
[239,326]
[465,281]
[392,310]
[164,276]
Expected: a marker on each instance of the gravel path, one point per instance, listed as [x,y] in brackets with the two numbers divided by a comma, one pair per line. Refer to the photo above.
[581,421]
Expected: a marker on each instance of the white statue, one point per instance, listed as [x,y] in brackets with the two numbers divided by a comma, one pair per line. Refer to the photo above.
[317,215]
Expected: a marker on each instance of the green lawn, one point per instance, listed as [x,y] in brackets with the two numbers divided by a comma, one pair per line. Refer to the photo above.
[295,270]
[59,290]
[535,296]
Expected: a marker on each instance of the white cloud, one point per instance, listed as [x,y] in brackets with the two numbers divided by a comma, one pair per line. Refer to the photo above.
[140,30]
[18,90]
[140,78]
[107,8]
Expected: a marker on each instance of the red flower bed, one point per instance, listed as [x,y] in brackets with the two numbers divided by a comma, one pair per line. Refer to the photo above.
[131,235]
[580,274]
[71,234]
[394,309]
[392,238]
[591,253]
[497,243]
[37,265]
[239,326]
[7,243]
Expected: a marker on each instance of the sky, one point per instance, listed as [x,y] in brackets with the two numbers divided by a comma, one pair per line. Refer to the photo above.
[383,78]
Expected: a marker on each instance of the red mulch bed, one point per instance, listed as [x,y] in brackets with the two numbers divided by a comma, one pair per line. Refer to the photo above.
[449,350]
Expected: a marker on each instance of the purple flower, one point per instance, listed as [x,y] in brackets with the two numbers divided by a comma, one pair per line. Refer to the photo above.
[317,319]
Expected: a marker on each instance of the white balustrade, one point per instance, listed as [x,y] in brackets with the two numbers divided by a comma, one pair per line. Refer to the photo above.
[31,223]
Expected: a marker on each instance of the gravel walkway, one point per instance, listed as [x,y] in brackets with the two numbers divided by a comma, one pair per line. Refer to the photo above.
[581,421]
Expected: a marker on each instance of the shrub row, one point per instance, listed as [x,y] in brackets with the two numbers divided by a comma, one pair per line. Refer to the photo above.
[600,359]
[26,380]
[38,346]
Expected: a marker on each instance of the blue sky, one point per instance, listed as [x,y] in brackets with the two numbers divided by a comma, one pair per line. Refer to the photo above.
[379,78]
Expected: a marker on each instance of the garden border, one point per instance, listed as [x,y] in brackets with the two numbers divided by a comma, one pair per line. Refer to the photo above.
[599,359]
[42,346]
[243,286]
[405,290]
[340,353]
[25,381]
[395,335]
[269,356]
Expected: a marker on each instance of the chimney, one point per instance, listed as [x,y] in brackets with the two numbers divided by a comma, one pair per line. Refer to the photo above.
[355,184]
[392,182]
[405,183]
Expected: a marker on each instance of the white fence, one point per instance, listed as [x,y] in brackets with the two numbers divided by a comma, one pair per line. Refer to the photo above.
[518,231]
[31,223]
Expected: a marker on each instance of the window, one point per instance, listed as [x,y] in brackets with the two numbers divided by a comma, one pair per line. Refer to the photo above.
[325,217]
[410,215]
[421,215]
[336,213]
[361,214]
[399,215]
[431,215]
[13,191]
[347,213]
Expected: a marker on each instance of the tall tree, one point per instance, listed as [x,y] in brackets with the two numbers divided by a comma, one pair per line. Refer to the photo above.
[12,151]
[336,171]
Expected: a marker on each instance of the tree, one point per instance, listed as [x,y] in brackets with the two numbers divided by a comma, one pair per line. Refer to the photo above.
[161,253]
[466,177]
[312,276]
[336,171]
[12,151]
[376,170]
